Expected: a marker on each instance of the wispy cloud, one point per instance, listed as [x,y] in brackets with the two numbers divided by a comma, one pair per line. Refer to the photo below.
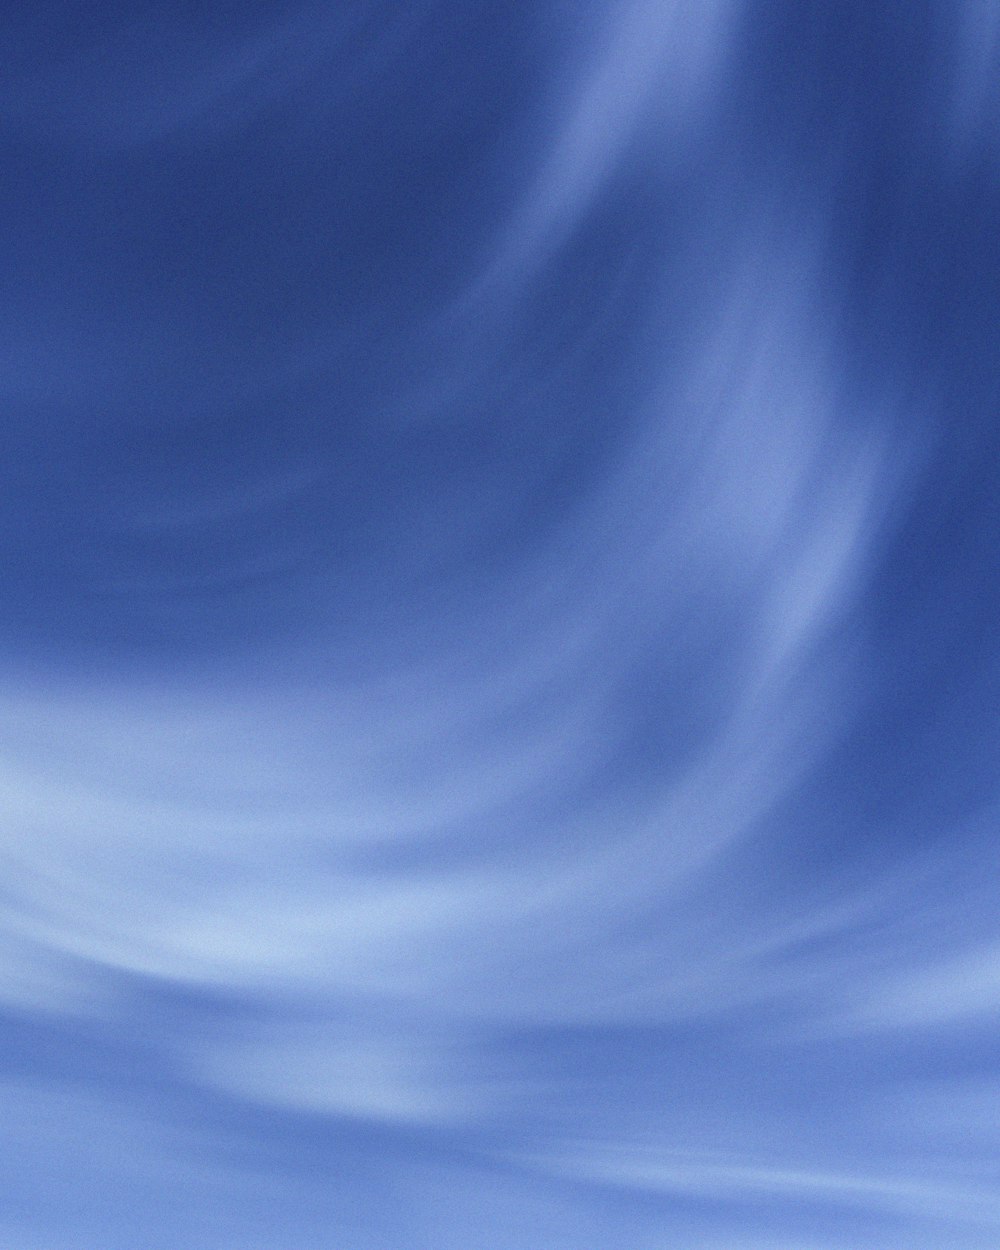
[496,734]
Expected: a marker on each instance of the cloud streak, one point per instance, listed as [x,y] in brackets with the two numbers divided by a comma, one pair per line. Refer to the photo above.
[496,716]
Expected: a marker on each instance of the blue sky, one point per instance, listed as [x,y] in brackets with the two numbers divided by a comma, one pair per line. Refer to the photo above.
[499,638]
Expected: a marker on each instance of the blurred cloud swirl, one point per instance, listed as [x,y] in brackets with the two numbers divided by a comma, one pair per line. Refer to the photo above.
[499,627]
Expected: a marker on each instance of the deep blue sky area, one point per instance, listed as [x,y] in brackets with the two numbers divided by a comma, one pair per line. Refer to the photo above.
[498,645]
